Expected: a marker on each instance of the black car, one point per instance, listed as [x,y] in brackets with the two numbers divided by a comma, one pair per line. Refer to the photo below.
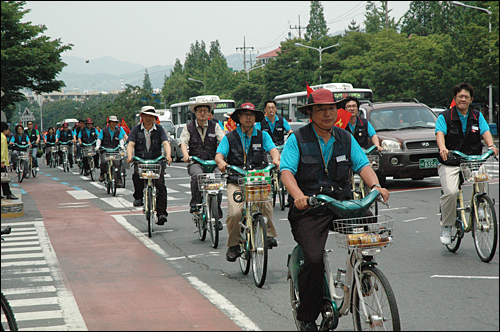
[406,133]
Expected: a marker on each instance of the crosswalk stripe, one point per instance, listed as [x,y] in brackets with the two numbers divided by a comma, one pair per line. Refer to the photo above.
[33,302]
[26,316]
[29,290]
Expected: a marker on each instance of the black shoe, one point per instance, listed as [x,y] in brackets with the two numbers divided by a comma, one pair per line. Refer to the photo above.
[308,326]
[220,225]
[118,184]
[101,178]
[138,202]
[162,219]
[11,196]
[193,209]
[1,197]
[232,253]
[271,242]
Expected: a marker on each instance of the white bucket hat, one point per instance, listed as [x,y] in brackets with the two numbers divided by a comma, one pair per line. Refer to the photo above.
[113,118]
[202,102]
[149,110]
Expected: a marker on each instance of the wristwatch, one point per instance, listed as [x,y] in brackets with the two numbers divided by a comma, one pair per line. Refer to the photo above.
[375,185]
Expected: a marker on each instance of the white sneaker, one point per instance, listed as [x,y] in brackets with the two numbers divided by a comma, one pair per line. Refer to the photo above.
[38,169]
[445,235]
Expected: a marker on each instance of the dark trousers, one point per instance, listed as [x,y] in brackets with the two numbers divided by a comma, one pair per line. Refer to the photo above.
[194,170]
[5,186]
[85,160]
[310,231]
[161,191]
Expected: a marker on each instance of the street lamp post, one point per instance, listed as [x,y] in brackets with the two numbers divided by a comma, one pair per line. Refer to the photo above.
[320,50]
[490,93]
[249,70]
[192,79]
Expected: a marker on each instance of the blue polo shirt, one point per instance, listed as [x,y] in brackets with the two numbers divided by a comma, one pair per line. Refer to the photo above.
[442,127]
[290,155]
[267,142]
[371,131]
[286,126]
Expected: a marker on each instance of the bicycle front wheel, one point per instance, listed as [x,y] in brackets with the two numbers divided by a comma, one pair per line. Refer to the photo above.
[380,302]
[34,172]
[259,251]
[8,320]
[213,220]
[244,258]
[150,212]
[282,193]
[113,181]
[20,172]
[92,169]
[485,230]
[201,221]
[294,301]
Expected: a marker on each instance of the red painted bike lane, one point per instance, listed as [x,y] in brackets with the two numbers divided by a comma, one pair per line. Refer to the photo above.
[117,282]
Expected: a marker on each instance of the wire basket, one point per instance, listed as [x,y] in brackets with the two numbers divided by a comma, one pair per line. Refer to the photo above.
[364,232]
[255,191]
[63,148]
[475,171]
[24,155]
[149,171]
[373,160]
[114,155]
[88,151]
[211,181]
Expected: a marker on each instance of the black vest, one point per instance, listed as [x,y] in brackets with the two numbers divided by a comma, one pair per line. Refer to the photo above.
[51,138]
[32,136]
[65,136]
[311,176]
[278,135]
[255,157]
[21,140]
[470,143]
[199,148]
[86,138]
[360,132]
[108,141]
[156,143]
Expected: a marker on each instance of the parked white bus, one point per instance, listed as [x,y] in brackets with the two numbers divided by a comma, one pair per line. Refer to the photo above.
[287,103]
[181,113]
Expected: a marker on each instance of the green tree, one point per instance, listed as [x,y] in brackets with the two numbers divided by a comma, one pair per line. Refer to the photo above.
[29,60]
[146,83]
[424,18]
[377,18]
[316,29]
[352,27]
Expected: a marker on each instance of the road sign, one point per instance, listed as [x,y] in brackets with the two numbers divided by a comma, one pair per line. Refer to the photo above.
[27,115]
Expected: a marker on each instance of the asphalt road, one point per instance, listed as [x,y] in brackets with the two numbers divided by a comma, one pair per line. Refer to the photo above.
[435,289]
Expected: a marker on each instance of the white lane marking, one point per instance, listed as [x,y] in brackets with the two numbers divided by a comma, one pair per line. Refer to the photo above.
[218,300]
[236,315]
[463,277]
[419,218]
[81,194]
[117,202]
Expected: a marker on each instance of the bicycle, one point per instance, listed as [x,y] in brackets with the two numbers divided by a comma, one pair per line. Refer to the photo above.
[112,171]
[253,241]
[53,161]
[361,189]
[482,216]
[365,290]
[210,185]
[64,148]
[23,162]
[87,151]
[149,170]
[277,187]
[7,315]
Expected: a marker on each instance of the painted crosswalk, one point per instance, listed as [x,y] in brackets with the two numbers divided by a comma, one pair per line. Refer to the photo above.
[33,283]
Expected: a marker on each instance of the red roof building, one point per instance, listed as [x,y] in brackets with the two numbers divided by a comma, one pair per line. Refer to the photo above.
[266,57]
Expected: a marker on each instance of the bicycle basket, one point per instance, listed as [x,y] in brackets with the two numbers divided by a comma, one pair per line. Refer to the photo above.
[88,151]
[475,171]
[115,155]
[211,181]
[24,155]
[149,171]
[374,161]
[255,189]
[364,232]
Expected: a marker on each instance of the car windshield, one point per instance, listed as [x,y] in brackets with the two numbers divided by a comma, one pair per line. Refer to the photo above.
[398,118]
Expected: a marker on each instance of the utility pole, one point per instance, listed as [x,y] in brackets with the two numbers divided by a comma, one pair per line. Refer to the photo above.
[298,28]
[244,48]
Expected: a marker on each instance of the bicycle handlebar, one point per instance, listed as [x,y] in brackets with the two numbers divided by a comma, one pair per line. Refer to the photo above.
[371,149]
[345,209]
[454,154]
[22,146]
[148,161]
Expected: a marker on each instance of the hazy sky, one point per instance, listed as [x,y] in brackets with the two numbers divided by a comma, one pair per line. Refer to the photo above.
[156,33]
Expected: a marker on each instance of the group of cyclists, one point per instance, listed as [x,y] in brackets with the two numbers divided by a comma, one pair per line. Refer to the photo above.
[316,159]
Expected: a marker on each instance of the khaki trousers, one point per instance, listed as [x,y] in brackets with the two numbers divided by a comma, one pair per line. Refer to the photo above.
[450,179]
[235,211]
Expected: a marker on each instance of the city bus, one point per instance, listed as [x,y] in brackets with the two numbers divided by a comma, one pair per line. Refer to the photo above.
[287,103]
[181,113]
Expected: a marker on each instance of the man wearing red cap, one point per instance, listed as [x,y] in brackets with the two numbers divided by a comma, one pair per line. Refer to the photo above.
[246,148]
[316,160]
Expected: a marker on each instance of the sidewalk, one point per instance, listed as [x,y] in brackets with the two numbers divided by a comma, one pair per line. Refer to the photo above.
[117,282]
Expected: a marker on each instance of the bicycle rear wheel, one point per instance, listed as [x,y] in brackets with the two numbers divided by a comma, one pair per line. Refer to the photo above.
[213,220]
[259,251]
[8,319]
[485,230]
[150,212]
[379,300]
